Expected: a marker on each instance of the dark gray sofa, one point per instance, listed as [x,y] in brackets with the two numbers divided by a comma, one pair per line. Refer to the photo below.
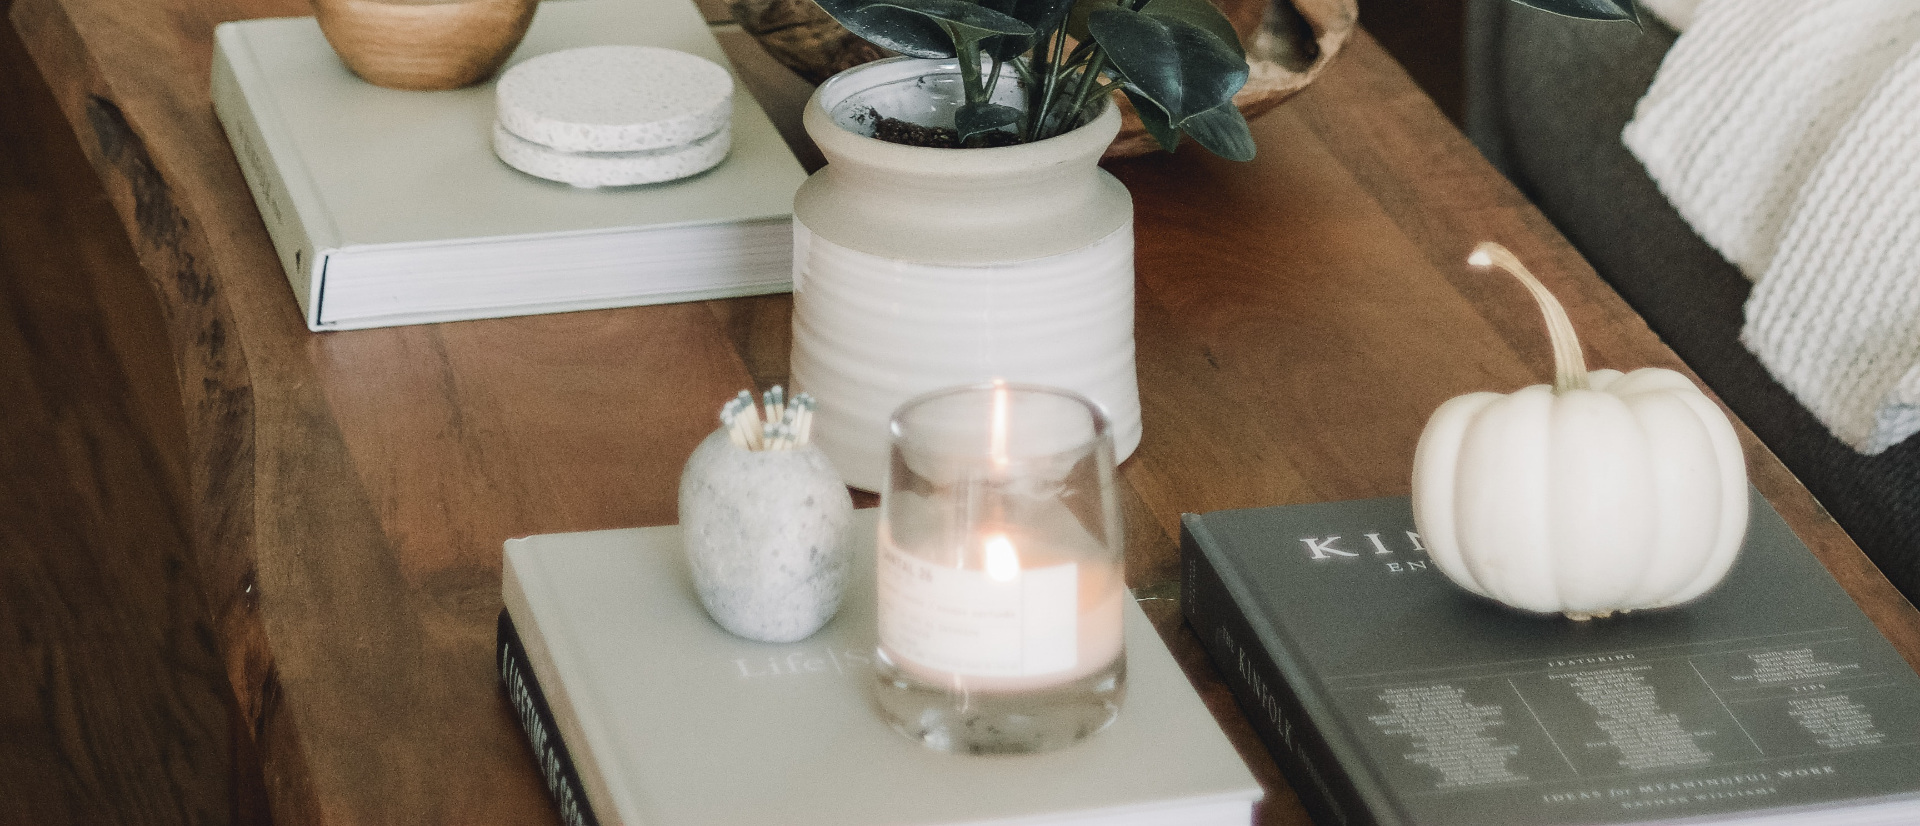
[1546,99]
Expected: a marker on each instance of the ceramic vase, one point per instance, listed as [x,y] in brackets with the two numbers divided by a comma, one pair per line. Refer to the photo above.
[765,533]
[917,268]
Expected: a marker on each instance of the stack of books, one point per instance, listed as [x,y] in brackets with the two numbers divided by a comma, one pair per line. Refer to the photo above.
[389,207]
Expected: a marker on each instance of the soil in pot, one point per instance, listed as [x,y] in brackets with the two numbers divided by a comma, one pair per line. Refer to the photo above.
[895,130]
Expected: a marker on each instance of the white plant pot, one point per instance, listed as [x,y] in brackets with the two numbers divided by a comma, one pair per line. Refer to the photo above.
[919,268]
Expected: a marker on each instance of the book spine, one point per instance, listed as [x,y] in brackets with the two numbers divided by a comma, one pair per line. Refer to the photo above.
[280,209]
[543,734]
[1270,702]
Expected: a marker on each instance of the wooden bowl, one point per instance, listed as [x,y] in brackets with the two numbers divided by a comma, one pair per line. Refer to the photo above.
[1288,43]
[422,44]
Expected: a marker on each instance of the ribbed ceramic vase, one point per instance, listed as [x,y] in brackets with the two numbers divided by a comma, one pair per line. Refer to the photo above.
[918,268]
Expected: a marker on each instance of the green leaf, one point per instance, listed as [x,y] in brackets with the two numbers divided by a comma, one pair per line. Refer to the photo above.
[961,17]
[1155,120]
[1077,16]
[1200,13]
[967,25]
[1178,65]
[1043,15]
[975,119]
[1005,47]
[1223,131]
[905,32]
[1587,9]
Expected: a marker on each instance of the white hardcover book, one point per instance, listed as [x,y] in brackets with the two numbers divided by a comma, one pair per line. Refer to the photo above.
[668,720]
[389,207]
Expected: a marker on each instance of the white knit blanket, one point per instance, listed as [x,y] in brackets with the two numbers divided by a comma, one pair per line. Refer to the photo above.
[1787,132]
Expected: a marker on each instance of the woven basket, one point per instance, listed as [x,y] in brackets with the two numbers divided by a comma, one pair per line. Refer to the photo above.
[1288,43]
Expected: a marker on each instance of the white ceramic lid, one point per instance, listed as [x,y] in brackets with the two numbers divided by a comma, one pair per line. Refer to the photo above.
[615,99]
[597,169]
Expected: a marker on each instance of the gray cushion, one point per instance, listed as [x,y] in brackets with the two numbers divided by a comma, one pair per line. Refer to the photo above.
[1546,99]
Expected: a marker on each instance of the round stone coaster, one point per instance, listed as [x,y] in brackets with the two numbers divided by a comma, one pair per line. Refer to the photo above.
[615,99]
[596,169]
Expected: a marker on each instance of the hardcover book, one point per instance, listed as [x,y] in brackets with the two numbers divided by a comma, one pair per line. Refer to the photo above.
[641,710]
[389,207]
[1391,696]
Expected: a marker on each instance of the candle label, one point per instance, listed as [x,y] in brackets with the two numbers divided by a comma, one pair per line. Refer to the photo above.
[969,623]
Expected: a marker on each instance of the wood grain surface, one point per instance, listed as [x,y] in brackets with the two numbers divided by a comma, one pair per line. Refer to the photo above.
[1298,318]
[114,707]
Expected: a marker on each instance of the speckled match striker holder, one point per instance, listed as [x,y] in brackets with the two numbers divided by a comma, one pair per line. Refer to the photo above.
[766,536]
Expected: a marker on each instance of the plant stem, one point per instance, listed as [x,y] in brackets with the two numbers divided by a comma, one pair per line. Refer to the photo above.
[1030,84]
[1569,365]
[1082,96]
[1041,105]
[976,92]
[1062,66]
[1040,94]
[970,76]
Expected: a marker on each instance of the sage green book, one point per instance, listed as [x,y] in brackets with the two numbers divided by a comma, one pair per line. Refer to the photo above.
[1391,696]
[665,719]
[388,207]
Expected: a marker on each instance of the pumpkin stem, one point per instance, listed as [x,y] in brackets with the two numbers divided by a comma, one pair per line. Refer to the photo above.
[1569,366]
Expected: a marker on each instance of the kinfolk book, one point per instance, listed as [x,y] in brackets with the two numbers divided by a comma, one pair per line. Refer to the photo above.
[1391,696]
[389,207]
[643,711]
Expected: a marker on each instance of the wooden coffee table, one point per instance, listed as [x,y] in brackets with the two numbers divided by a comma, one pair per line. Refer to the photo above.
[1298,318]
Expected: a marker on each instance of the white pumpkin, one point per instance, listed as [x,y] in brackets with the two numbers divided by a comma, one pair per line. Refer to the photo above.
[1603,492]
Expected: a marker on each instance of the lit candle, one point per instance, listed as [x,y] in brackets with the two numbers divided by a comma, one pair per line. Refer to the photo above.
[1013,621]
[1000,589]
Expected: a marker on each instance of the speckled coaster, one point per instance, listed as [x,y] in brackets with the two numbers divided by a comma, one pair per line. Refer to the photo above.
[615,99]
[596,169]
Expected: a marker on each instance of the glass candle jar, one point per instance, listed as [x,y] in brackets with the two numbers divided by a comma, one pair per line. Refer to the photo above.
[1000,571]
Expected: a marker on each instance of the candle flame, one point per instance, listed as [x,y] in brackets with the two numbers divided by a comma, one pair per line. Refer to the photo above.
[1003,562]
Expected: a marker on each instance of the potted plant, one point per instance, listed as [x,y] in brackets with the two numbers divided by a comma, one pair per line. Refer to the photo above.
[1178,61]
[962,229]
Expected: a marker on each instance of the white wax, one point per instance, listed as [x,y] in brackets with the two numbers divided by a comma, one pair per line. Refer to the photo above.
[930,625]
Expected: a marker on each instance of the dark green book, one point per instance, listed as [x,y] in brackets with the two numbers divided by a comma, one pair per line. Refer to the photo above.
[1391,696]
